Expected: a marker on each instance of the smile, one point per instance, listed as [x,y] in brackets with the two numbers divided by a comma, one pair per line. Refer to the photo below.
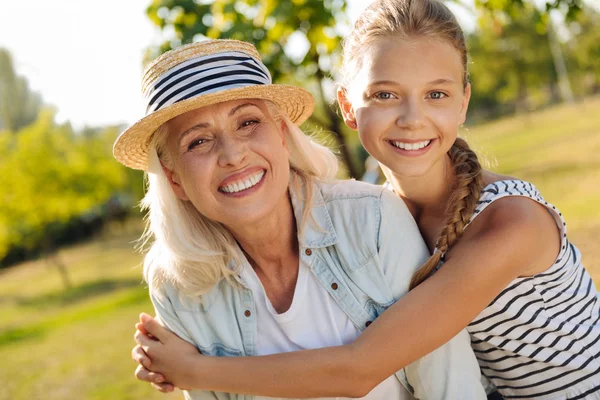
[410,146]
[243,184]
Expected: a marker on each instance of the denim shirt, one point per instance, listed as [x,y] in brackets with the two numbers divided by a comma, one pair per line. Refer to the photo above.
[363,246]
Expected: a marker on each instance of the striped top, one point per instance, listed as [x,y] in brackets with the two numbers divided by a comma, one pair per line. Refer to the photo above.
[540,337]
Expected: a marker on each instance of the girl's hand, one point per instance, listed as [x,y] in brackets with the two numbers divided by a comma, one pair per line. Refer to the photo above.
[164,358]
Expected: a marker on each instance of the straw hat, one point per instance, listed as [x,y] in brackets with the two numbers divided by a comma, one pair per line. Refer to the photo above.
[198,75]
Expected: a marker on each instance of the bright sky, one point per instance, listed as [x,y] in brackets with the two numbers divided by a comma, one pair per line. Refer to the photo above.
[84,57]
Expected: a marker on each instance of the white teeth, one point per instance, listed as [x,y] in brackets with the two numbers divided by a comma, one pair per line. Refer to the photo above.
[411,146]
[245,184]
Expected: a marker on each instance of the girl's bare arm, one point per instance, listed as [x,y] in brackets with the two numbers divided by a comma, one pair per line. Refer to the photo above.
[512,237]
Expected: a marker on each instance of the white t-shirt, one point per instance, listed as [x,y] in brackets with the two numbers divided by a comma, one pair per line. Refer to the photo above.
[314,320]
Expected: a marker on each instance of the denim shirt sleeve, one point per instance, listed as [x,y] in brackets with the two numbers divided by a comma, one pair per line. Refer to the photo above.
[166,315]
[451,371]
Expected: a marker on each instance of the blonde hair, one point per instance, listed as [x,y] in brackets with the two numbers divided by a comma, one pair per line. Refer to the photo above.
[411,19]
[194,253]
[403,19]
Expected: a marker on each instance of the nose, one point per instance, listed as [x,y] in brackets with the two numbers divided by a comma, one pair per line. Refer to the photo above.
[412,114]
[232,152]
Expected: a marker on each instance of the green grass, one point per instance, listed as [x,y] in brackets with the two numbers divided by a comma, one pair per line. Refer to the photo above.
[75,344]
[558,150]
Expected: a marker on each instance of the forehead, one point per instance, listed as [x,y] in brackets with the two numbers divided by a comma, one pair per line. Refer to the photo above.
[412,60]
[223,109]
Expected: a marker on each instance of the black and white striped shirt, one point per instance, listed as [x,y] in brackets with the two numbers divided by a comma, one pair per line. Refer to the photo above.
[540,337]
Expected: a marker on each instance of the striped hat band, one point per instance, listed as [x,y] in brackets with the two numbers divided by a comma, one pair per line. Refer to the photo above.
[203,75]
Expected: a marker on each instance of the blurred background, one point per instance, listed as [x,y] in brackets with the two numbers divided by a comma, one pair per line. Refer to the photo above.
[70,279]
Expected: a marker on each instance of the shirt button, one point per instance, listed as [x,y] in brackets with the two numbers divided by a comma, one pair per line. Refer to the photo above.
[308,252]
[334,286]
[247,313]
[368,323]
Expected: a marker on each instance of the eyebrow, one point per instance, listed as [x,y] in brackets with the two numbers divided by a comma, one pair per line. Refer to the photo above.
[203,125]
[241,106]
[190,130]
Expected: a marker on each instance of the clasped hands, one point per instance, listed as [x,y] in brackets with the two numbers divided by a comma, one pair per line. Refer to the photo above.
[164,359]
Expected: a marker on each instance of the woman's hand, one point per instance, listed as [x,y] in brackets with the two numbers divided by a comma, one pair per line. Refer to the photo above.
[165,360]
[143,374]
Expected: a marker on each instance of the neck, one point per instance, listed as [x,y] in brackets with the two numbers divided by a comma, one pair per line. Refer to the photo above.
[270,242]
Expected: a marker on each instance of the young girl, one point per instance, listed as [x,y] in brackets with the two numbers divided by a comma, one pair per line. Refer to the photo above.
[501,266]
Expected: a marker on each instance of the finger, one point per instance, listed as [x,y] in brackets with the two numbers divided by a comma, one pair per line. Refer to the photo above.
[142,339]
[139,356]
[154,328]
[163,387]
[140,327]
[143,374]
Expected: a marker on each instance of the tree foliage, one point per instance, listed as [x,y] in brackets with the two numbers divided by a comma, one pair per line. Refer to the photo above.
[513,8]
[18,105]
[511,62]
[584,48]
[49,176]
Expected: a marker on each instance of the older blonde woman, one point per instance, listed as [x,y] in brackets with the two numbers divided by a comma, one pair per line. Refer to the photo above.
[257,250]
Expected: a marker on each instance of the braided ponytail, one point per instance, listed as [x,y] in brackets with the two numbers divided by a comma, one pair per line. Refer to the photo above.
[461,204]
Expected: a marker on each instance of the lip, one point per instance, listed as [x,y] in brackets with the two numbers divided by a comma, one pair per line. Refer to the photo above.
[240,176]
[411,153]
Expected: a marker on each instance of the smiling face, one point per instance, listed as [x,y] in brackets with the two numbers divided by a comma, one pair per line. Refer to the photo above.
[229,160]
[407,102]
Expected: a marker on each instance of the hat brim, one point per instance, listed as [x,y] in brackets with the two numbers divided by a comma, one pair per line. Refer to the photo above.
[132,146]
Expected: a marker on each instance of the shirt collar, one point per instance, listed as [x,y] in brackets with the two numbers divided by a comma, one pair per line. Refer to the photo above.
[318,230]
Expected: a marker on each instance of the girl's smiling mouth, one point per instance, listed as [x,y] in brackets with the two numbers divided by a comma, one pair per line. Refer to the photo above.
[411,148]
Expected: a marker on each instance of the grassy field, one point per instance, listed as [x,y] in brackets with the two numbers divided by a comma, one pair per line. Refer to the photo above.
[558,150]
[75,344]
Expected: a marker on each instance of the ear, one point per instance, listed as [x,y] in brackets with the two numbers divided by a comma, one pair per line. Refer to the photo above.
[283,130]
[347,109]
[465,103]
[175,183]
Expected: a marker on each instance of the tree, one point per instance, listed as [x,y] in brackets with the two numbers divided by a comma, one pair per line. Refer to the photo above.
[511,62]
[51,176]
[584,49]
[18,105]
[512,8]
[296,38]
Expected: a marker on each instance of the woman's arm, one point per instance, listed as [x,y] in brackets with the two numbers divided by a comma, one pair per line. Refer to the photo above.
[511,237]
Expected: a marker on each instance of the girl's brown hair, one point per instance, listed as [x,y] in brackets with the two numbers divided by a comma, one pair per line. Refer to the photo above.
[411,19]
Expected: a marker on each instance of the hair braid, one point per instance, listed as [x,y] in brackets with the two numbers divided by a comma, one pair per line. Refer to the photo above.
[461,204]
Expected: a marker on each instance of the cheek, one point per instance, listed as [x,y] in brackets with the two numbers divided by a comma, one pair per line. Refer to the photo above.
[196,176]
[448,120]
[372,124]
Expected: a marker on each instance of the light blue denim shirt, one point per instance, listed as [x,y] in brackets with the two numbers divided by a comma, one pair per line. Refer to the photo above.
[363,246]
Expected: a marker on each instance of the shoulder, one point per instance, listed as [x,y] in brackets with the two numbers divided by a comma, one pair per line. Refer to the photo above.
[348,190]
[519,225]
[513,205]
[359,200]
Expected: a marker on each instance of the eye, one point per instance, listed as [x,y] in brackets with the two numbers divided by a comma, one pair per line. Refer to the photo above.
[437,95]
[249,122]
[195,143]
[383,96]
